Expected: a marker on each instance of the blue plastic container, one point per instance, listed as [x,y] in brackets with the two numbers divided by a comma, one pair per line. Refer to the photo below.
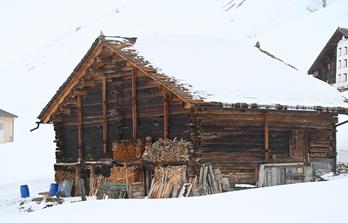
[25,191]
[53,189]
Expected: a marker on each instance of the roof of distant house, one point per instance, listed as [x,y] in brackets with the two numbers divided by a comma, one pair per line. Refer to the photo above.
[7,114]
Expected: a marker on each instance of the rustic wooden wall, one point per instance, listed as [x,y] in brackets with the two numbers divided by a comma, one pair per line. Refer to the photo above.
[149,109]
[234,140]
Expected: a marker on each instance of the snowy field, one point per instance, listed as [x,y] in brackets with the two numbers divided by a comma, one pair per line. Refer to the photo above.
[319,202]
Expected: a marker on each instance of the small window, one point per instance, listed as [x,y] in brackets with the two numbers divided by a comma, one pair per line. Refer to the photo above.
[345,63]
[345,50]
[329,66]
[339,78]
[344,77]
[339,51]
[339,64]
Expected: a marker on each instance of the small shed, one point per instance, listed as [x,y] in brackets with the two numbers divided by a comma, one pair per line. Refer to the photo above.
[116,107]
[6,126]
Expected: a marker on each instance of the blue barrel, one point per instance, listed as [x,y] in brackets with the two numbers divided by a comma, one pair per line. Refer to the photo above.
[53,189]
[25,191]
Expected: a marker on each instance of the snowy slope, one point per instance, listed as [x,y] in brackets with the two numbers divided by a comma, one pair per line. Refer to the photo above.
[318,202]
[42,47]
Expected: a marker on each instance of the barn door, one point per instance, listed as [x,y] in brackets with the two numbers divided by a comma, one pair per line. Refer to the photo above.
[298,144]
[274,176]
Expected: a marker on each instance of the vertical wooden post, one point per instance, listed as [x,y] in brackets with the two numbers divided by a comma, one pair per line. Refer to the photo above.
[334,147]
[134,104]
[165,115]
[105,122]
[77,181]
[266,132]
[79,128]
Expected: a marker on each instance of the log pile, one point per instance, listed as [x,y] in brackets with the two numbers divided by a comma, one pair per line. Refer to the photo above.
[60,176]
[172,182]
[167,182]
[125,151]
[166,150]
[125,175]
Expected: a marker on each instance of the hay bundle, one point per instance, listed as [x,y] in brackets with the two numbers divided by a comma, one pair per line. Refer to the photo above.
[166,150]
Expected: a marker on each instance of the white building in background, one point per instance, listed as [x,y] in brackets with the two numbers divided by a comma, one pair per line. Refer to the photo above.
[6,126]
[342,64]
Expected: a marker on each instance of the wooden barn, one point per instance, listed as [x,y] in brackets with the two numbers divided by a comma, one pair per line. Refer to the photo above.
[115,108]
[6,126]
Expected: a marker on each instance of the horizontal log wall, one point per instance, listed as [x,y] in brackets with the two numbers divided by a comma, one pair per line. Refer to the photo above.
[234,141]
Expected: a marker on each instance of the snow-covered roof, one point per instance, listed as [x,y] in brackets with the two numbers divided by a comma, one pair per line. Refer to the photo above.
[7,114]
[222,71]
[216,70]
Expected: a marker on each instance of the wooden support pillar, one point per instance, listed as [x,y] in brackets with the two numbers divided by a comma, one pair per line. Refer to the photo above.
[91,181]
[165,115]
[79,129]
[134,104]
[105,122]
[266,135]
[77,181]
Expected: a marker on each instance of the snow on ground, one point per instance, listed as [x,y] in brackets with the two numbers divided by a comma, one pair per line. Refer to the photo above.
[308,202]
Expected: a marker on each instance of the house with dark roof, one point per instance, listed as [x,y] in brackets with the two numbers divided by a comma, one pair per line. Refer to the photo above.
[331,65]
[115,100]
[6,126]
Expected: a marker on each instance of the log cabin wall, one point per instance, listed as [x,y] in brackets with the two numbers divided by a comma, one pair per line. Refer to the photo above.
[235,141]
[151,102]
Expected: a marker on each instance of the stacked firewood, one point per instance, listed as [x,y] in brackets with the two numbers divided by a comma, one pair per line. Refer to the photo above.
[125,151]
[60,176]
[210,181]
[125,175]
[167,182]
[166,150]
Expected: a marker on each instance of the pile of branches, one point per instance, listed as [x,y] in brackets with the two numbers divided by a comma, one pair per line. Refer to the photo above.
[166,150]
[61,176]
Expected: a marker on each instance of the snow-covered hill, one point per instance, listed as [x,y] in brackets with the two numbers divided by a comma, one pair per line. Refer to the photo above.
[42,41]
